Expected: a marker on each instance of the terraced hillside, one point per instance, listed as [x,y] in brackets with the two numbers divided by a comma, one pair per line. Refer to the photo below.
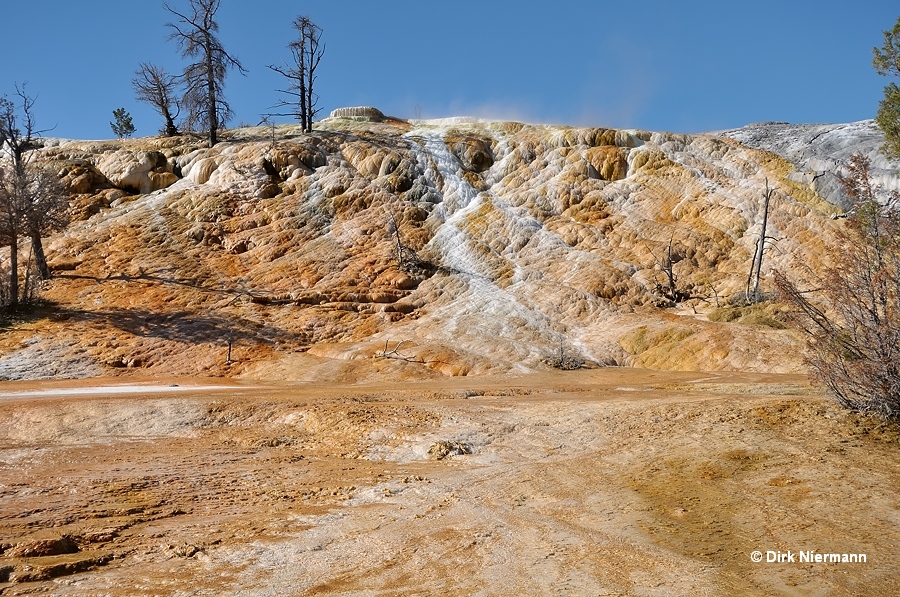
[480,246]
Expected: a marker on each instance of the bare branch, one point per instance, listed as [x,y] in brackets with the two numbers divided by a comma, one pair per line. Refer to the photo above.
[395,354]
[852,323]
[204,80]
[153,85]
[306,53]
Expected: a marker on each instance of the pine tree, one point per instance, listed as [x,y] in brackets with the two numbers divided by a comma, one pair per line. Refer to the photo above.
[887,63]
[122,126]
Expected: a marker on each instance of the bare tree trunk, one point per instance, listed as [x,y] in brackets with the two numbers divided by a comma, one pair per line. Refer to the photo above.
[670,273]
[171,129]
[304,116]
[40,259]
[13,273]
[309,108]
[756,265]
[26,286]
[312,34]
[211,89]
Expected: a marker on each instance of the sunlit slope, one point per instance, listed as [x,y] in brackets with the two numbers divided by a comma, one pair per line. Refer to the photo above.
[482,246]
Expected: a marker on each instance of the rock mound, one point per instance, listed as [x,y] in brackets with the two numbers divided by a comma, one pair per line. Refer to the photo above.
[359,113]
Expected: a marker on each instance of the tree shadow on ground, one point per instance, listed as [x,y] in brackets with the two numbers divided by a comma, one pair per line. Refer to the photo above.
[183,326]
[26,312]
[150,277]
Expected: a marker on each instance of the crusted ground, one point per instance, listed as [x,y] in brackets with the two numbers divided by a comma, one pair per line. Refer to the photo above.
[605,482]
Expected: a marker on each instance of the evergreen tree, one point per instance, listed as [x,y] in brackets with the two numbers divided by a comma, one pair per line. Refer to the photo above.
[122,126]
[887,63]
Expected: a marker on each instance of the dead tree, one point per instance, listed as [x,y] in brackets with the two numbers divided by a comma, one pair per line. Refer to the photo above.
[670,288]
[10,209]
[407,258]
[394,230]
[386,353]
[204,80]
[32,202]
[752,294]
[668,268]
[306,53]
[563,360]
[153,85]
[46,211]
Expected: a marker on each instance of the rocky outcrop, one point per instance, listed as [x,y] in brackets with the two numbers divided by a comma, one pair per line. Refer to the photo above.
[608,162]
[474,153]
[137,171]
[43,548]
[80,177]
[820,153]
[296,160]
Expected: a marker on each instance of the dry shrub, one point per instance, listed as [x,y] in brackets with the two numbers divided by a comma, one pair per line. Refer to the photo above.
[564,360]
[851,312]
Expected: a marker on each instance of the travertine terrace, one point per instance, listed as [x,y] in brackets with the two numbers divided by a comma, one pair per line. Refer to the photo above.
[482,246]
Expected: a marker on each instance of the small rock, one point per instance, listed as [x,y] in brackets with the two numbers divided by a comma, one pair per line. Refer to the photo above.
[444,449]
[185,550]
[43,548]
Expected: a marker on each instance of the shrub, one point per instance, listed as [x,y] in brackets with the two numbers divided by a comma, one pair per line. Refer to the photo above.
[851,317]
[563,360]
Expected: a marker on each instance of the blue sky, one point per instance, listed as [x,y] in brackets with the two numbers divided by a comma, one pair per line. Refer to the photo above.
[661,65]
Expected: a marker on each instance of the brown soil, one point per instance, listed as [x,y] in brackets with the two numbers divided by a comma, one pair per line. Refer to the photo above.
[602,482]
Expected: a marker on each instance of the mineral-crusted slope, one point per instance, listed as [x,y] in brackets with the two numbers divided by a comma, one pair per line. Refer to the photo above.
[475,246]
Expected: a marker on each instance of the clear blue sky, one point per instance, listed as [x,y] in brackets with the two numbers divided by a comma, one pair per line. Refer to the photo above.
[685,66]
